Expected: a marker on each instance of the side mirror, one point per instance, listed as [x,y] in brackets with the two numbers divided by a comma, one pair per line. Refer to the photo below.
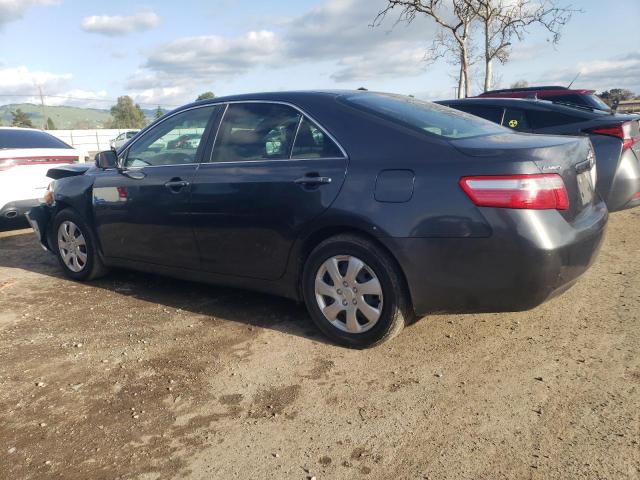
[107,159]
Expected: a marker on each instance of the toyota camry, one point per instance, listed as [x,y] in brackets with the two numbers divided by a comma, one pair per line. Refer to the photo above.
[370,208]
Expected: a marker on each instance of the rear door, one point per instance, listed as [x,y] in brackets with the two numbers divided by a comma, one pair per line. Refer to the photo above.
[142,210]
[272,171]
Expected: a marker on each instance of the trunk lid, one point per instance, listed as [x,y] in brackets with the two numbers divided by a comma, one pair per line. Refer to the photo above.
[572,158]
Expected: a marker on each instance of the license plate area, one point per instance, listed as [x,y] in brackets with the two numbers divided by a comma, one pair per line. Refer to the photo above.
[586,187]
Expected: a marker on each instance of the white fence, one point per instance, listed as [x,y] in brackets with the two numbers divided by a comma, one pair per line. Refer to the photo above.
[90,141]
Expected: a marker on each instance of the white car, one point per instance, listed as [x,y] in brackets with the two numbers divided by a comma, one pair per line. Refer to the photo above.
[26,155]
[123,138]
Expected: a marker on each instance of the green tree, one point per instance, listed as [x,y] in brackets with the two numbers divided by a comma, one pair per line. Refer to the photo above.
[50,124]
[126,114]
[159,112]
[205,96]
[21,119]
[616,94]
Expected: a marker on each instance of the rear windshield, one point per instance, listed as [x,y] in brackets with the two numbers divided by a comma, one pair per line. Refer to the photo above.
[425,116]
[588,100]
[19,138]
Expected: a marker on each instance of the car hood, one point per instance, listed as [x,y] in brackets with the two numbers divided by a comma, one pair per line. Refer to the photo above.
[72,170]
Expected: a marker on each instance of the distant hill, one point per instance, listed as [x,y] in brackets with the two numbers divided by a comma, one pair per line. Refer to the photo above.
[63,117]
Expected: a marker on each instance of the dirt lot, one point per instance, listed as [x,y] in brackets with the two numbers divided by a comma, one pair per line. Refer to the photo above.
[137,376]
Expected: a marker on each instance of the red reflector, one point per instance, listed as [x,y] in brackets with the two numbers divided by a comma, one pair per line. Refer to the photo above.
[45,160]
[536,191]
[636,196]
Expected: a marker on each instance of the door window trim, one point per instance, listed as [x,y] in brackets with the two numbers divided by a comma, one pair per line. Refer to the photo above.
[122,158]
[289,159]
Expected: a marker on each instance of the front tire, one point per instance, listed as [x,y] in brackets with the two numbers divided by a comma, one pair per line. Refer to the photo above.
[75,247]
[354,292]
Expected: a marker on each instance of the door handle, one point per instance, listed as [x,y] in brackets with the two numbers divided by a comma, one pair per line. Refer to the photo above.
[312,180]
[176,185]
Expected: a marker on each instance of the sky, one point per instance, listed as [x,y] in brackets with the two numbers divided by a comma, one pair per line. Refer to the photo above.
[87,53]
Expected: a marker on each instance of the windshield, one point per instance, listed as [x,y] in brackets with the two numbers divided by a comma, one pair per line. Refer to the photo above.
[425,116]
[22,138]
[598,103]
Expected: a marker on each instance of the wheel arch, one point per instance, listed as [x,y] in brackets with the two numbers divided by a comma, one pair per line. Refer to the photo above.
[313,239]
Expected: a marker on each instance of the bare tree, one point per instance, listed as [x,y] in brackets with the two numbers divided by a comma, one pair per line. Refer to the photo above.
[454,18]
[505,20]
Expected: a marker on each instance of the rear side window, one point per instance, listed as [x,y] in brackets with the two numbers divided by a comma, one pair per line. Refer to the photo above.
[427,117]
[19,138]
[311,142]
[544,119]
[256,131]
[516,119]
[493,114]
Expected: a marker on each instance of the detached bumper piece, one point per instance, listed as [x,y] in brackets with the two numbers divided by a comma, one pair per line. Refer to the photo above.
[38,218]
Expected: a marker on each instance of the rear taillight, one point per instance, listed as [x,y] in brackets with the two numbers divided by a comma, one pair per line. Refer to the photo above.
[7,163]
[621,130]
[536,191]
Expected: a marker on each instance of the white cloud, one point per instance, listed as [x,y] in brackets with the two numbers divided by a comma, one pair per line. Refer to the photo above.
[337,31]
[11,10]
[211,56]
[342,28]
[119,24]
[617,72]
[173,70]
[403,63]
[21,85]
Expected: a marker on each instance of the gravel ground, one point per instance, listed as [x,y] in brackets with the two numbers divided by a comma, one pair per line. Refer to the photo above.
[137,376]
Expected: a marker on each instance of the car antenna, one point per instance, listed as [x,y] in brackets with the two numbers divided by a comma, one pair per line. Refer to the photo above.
[574,79]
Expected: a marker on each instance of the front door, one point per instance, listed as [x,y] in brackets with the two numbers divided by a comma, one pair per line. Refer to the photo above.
[271,172]
[142,209]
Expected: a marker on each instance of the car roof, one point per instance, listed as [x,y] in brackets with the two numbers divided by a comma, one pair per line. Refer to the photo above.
[529,103]
[545,88]
[292,96]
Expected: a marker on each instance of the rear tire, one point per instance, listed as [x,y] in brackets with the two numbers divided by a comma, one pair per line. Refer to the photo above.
[355,292]
[75,247]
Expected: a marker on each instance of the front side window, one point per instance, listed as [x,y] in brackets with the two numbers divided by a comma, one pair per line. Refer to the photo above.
[256,131]
[175,141]
[311,142]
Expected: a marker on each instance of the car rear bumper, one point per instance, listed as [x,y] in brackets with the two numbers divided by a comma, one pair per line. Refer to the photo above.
[626,184]
[17,209]
[530,257]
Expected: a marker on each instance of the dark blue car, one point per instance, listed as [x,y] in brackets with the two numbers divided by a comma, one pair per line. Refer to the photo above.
[371,208]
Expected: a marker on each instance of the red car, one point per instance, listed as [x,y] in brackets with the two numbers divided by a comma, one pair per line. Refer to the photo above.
[555,94]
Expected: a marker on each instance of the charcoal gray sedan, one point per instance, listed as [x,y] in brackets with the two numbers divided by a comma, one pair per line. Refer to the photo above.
[370,208]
